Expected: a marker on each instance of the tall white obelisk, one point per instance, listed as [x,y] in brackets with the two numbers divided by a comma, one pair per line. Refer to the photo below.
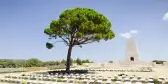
[132,55]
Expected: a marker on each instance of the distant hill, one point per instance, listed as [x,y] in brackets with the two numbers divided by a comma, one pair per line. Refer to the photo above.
[14,59]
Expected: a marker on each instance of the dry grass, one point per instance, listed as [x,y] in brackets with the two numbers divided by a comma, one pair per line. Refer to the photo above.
[35,68]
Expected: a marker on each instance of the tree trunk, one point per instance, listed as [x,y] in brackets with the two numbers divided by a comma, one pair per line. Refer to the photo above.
[68,60]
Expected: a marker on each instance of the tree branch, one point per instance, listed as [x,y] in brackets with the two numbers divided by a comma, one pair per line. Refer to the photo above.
[60,41]
[65,41]
[73,32]
[83,41]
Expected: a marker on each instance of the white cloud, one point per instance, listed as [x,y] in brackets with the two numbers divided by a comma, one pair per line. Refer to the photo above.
[128,35]
[133,31]
[165,17]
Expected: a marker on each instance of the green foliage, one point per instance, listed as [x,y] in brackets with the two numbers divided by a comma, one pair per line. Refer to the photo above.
[115,79]
[78,61]
[23,82]
[33,62]
[23,75]
[63,61]
[86,61]
[156,81]
[57,62]
[51,63]
[20,63]
[49,45]
[110,61]
[7,64]
[159,61]
[122,74]
[79,26]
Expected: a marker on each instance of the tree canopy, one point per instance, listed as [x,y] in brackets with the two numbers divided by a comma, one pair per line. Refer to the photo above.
[79,26]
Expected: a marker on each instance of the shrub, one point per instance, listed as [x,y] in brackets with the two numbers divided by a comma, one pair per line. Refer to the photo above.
[24,82]
[23,75]
[156,81]
[121,74]
[71,71]
[115,79]
[159,61]
[79,61]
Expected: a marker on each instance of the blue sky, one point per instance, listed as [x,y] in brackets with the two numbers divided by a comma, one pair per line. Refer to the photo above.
[22,23]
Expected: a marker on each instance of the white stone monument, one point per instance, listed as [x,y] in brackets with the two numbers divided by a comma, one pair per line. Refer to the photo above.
[132,56]
[132,51]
